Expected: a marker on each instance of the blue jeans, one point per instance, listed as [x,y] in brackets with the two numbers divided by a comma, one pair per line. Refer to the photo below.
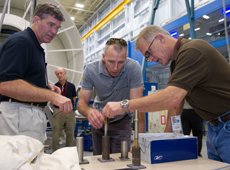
[218,141]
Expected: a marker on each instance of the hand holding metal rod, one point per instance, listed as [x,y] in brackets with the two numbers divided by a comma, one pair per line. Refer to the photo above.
[105,144]
[105,141]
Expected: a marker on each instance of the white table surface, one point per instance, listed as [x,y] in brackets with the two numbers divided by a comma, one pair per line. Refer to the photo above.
[192,164]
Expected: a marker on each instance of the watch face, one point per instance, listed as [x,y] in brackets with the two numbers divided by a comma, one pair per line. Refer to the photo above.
[125,102]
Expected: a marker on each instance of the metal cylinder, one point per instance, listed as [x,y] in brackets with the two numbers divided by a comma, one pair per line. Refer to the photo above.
[136,156]
[124,149]
[80,147]
[106,127]
[136,128]
[105,147]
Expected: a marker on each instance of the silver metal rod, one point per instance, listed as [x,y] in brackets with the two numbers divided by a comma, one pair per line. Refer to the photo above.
[226,31]
[80,146]
[106,127]
[136,124]
[3,13]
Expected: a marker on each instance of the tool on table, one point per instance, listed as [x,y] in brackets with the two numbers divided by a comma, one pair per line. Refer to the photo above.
[80,148]
[124,151]
[136,156]
[105,144]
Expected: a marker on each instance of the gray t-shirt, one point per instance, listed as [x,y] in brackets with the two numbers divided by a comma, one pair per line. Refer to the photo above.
[108,88]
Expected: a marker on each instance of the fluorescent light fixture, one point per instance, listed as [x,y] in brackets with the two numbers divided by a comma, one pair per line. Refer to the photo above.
[79,5]
[221,20]
[226,11]
[196,29]
[72,18]
[208,33]
[206,16]
[181,35]
[173,33]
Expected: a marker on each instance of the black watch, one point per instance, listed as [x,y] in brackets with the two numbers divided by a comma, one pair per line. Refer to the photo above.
[125,104]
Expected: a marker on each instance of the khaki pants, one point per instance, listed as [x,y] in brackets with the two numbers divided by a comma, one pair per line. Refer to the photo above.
[59,123]
[22,119]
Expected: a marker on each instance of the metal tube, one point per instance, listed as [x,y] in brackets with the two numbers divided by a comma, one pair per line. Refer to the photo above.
[136,128]
[80,146]
[124,149]
[3,13]
[226,31]
[106,126]
[105,147]
[136,156]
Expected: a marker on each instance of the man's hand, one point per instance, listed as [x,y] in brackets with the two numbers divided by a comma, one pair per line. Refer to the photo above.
[112,109]
[54,88]
[64,104]
[96,118]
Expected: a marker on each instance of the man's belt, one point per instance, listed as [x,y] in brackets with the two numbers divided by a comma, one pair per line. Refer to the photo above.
[37,104]
[224,118]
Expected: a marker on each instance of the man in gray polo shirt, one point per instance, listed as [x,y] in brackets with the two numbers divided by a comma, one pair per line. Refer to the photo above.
[114,77]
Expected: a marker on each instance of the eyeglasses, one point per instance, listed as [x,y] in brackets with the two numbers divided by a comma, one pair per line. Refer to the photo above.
[147,52]
[114,40]
[52,25]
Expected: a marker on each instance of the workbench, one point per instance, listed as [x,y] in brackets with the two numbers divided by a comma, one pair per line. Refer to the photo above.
[192,164]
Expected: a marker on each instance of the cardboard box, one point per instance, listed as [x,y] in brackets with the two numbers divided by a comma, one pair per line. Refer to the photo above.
[167,147]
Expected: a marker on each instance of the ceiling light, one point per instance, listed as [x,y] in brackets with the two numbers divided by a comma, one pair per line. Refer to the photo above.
[221,20]
[79,5]
[208,33]
[206,16]
[227,11]
[173,33]
[196,29]
[181,35]
[72,18]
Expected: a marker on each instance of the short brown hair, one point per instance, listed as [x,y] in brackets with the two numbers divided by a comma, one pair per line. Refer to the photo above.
[149,33]
[45,9]
[118,44]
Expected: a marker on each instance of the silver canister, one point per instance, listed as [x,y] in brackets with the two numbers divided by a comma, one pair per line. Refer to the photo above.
[124,149]
[80,147]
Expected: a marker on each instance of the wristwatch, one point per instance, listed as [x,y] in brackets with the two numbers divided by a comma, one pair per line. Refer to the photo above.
[125,104]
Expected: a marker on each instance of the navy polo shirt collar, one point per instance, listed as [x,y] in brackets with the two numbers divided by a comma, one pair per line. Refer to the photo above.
[33,36]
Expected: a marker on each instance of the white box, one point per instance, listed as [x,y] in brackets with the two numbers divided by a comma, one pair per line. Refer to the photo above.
[167,147]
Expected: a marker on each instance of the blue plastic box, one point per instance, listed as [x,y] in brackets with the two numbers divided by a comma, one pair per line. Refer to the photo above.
[167,147]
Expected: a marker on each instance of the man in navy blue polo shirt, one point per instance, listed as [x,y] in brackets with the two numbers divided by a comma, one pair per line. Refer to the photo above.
[61,121]
[23,78]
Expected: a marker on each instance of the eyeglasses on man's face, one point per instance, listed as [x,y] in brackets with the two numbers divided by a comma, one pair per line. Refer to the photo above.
[147,52]
[115,40]
[52,25]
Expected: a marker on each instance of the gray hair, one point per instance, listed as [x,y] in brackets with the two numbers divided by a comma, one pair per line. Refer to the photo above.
[149,33]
